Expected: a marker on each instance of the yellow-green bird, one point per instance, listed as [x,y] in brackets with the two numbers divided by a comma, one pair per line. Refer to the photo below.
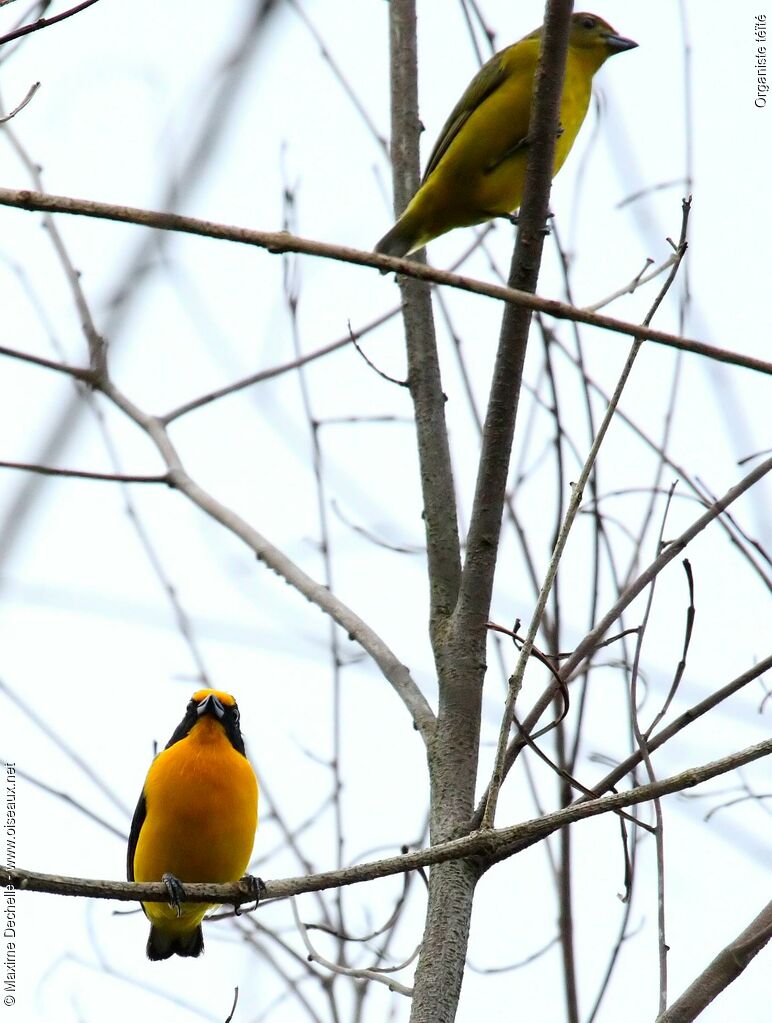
[477,168]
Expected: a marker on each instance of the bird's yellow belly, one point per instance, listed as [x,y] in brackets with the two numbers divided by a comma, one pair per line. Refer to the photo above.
[198,827]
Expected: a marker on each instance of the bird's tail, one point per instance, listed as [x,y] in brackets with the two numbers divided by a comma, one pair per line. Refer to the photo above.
[163,944]
[411,232]
[398,241]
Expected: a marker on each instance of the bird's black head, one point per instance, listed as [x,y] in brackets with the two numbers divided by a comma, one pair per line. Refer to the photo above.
[216,704]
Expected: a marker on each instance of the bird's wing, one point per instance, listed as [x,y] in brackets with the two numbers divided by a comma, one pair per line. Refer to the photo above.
[486,81]
[136,826]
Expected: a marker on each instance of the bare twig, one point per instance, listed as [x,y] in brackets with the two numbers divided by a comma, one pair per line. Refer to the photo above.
[638,281]
[229,1017]
[59,367]
[577,493]
[279,241]
[396,672]
[518,965]
[291,281]
[492,845]
[424,381]
[316,957]
[681,722]
[588,645]
[693,484]
[725,968]
[45,22]
[642,743]
[371,364]
[338,74]
[93,776]
[65,797]
[83,474]
[498,432]
[30,93]
[681,666]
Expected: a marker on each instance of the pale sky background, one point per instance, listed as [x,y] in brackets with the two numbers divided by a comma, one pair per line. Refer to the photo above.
[87,637]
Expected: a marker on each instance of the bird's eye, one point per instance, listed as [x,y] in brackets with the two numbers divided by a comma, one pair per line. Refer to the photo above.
[589,22]
[236,715]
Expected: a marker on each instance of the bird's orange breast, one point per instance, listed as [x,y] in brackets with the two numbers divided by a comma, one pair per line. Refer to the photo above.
[201,797]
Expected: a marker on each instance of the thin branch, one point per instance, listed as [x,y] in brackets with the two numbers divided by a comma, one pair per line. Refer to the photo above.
[571,781]
[280,241]
[440,513]
[373,367]
[229,1017]
[641,742]
[491,845]
[338,74]
[86,375]
[681,666]
[82,474]
[45,22]
[220,87]
[681,722]
[498,432]
[725,968]
[378,931]
[671,551]
[638,281]
[93,776]
[724,521]
[30,93]
[347,971]
[411,549]
[394,671]
[291,282]
[577,493]
[518,965]
[70,801]
[588,645]
[275,371]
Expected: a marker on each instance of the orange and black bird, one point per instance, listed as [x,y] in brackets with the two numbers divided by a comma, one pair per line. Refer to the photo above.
[195,820]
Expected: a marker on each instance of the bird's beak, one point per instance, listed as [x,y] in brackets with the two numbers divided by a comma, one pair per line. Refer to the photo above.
[211,705]
[617,44]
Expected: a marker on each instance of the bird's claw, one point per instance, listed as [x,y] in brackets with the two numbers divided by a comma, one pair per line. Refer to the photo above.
[254,888]
[176,891]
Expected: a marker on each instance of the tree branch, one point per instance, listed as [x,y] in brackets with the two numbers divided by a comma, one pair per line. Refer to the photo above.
[392,668]
[499,427]
[725,968]
[679,723]
[589,644]
[577,494]
[25,30]
[491,846]
[85,375]
[282,241]
[439,498]
[83,474]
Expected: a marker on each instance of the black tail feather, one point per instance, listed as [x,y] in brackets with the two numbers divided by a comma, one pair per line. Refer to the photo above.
[162,946]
